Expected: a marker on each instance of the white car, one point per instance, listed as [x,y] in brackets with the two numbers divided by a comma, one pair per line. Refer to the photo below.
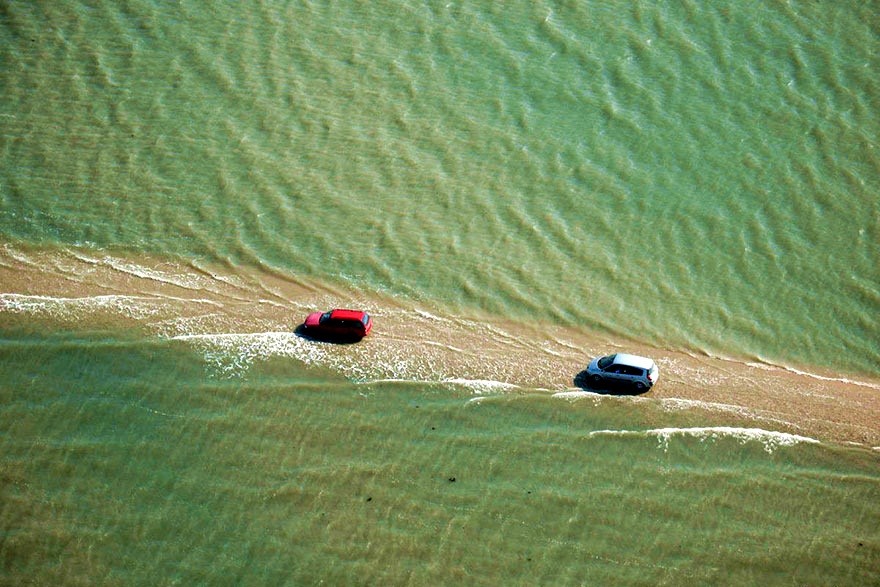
[639,372]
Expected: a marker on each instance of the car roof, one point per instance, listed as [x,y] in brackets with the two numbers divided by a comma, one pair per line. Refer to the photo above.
[343,314]
[633,361]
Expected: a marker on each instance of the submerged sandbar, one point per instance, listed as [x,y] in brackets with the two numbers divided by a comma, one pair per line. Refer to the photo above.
[247,315]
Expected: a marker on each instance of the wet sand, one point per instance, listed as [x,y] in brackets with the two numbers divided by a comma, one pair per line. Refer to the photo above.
[254,313]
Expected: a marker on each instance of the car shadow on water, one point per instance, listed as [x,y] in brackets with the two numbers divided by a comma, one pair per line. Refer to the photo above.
[582,380]
[300,331]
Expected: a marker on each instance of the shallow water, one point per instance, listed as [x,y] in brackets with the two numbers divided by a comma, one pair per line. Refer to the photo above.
[125,464]
[509,192]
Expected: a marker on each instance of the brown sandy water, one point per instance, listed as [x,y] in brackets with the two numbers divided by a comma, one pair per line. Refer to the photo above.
[238,316]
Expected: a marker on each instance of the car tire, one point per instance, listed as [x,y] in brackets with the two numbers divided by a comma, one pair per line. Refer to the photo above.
[640,387]
[595,379]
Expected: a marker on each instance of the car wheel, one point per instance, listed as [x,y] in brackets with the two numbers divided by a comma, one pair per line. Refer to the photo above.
[640,387]
[595,379]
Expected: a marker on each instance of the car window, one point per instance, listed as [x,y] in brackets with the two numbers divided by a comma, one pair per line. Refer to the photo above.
[604,362]
[325,317]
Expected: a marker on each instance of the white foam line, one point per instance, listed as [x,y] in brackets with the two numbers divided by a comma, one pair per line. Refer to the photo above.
[583,393]
[569,345]
[79,299]
[233,353]
[159,413]
[25,302]
[17,255]
[184,281]
[741,411]
[190,300]
[480,386]
[575,393]
[271,303]
[429,316]
[232,280]
[684,404]
[768,366]
[546,349]
[232,336]
[130,305]
[762,366]
[770,439]
[845,380]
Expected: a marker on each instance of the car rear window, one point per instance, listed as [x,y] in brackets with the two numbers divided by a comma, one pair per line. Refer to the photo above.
[605,361]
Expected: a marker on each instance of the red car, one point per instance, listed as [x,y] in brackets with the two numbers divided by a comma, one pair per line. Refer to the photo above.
[338,324]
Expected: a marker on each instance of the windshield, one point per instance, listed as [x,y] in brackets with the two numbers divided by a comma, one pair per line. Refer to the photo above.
[324,317]
[604,362]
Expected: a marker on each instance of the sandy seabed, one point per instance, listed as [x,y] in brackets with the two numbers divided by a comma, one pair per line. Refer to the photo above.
[240,315]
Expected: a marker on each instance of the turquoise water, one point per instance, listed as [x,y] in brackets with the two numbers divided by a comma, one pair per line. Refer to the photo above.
[692,178]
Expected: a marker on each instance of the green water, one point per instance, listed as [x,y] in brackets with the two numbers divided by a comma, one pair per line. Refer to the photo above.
[123,465]
[695,177]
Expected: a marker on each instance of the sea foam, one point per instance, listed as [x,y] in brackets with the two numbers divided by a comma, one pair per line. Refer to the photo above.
[770,439]
[63,307]
[481,386]
[232,354]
